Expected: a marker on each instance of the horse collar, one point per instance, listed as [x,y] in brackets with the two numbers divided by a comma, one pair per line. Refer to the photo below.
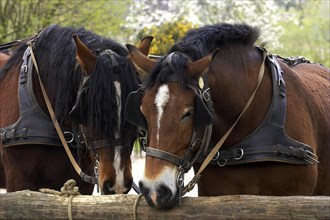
[33,125]
[269,142]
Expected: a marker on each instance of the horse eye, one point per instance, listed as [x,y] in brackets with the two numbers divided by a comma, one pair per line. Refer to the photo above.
[96,52]
[187,115]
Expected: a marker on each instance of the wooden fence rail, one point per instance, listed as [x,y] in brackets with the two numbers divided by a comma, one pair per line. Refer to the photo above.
[35,205]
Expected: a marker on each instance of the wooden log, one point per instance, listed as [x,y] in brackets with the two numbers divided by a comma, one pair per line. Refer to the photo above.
[35,205]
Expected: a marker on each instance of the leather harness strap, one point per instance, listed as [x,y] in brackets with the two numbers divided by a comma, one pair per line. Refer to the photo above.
[84,176]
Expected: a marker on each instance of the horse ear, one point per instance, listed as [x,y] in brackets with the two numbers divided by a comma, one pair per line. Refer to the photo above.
[197,68]
[145,45]
[85,56]
[140,59]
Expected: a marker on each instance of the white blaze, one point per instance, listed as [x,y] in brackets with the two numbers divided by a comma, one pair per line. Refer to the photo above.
[118,99]
[119,186]
[161,99]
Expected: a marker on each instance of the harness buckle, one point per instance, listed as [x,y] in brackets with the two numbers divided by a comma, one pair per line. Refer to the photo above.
[14,133]
[3,137]
[313,157]
[206,95]
[280,82]
[24,68]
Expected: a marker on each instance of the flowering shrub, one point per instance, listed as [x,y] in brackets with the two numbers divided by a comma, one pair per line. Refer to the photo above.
[166,34]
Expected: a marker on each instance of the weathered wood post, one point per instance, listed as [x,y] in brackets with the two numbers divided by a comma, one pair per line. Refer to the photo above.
[35,205]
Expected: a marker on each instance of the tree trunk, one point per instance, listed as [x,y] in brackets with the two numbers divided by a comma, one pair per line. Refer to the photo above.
[35,205]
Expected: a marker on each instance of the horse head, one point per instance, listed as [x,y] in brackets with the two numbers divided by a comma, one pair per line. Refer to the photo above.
[174,111]
[111,140]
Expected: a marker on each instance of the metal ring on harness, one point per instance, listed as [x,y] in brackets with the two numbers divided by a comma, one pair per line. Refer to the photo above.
[216,157]
[240,157]
[70,140]
[222,164]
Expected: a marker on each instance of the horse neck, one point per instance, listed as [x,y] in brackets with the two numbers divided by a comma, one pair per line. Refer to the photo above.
[3,59]
[233,78]
[9,108]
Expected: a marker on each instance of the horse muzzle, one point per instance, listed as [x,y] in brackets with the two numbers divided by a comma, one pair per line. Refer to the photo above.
[160,197]
[108,188]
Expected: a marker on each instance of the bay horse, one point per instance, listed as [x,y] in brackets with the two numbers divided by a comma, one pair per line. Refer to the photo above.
[3,59]
[214,78]
[87,78]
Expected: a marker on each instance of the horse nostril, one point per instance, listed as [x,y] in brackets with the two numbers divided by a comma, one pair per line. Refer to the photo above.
[128,184]
[106,189]
[165,193]
[145,192]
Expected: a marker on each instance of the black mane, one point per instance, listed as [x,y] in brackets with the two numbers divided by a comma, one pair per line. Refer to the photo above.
[166,68]
[198,43]
[55,53]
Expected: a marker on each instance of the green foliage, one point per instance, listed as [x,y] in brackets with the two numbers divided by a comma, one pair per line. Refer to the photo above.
[20,19]
[137,146]
[309,35]
[23,18]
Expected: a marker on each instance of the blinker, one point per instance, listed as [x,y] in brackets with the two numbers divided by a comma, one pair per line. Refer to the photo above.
[132,111]
[204,116]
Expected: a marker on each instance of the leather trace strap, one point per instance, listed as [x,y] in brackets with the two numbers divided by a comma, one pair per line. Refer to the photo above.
[211,155]
[15,43]
[83,175]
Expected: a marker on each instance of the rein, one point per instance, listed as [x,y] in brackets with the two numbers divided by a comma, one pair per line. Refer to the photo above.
[83,175]
[211,155]
[15,43]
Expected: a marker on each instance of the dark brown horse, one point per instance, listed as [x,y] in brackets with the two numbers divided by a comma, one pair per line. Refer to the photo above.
[86,78]
[280,144]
